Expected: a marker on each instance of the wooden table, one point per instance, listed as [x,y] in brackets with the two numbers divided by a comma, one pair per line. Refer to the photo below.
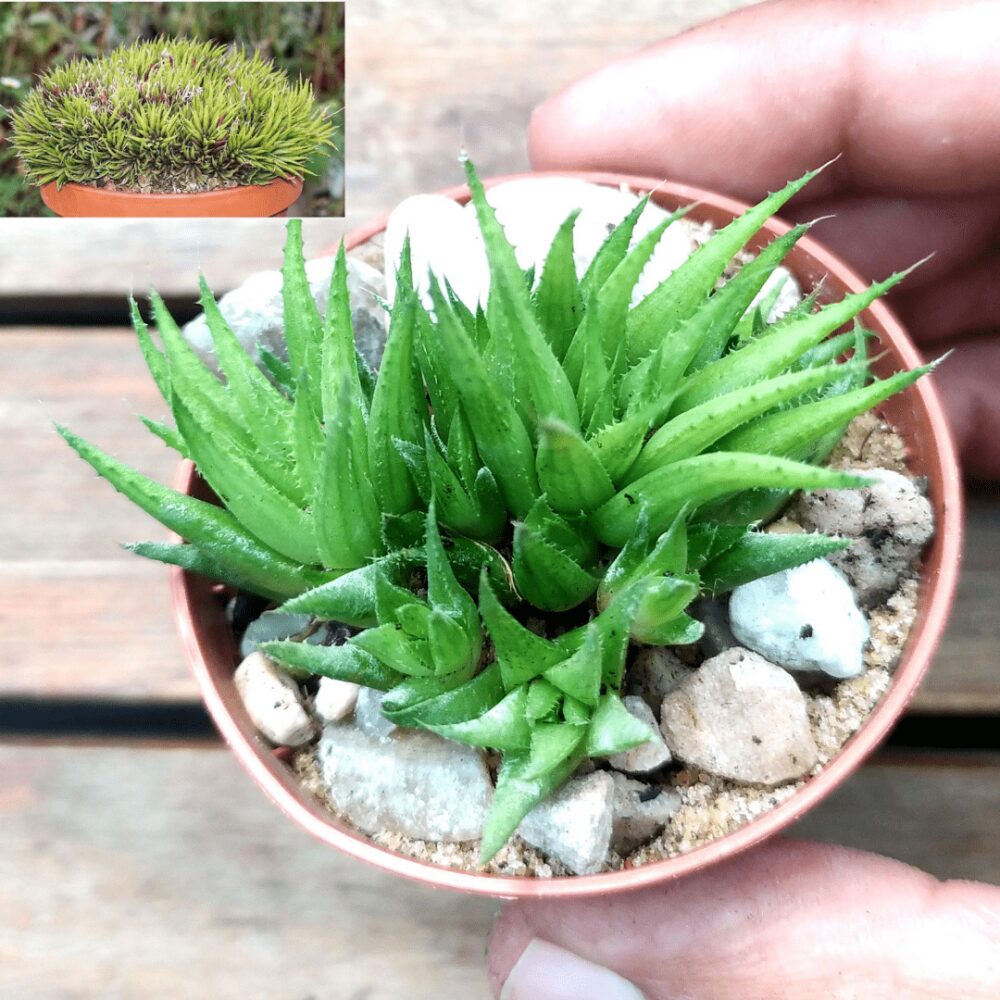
[135,859]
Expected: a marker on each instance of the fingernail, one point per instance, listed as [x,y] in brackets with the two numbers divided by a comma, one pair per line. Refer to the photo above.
[547,972]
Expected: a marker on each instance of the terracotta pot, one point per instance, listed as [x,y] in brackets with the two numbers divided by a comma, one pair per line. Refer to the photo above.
[918,416]
[258,200]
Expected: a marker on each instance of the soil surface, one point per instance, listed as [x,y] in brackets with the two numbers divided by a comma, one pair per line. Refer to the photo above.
[712,807]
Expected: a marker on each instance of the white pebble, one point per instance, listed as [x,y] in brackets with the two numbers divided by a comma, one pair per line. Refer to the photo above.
[335,700]
[804,619]
[273,702]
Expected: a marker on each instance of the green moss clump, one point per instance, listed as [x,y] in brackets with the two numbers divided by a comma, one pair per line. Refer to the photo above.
[170,115]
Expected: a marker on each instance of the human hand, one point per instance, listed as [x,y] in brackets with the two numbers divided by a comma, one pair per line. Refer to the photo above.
[789,921]
[903,90]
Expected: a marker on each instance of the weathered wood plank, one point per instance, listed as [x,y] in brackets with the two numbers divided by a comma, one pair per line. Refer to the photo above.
[95,382]
[132,872]
[85,618]
[965,677]
[79,616]
[115,257]
[161,874]
[937,812]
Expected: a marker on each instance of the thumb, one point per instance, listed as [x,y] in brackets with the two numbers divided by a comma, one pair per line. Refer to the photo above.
[789,921]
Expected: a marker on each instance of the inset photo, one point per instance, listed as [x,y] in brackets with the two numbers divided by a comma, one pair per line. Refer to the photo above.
[171,109]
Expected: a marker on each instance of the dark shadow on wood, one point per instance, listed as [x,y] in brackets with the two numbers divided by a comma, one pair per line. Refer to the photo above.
[88,310]
[86,718]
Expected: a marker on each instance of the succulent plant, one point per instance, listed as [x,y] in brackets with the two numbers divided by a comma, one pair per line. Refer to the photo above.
[522,491]
[166,115]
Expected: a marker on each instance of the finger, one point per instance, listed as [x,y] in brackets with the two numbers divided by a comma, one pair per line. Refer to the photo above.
[902,88]
[967,380]
[965,301]
[878,235]
[788,921]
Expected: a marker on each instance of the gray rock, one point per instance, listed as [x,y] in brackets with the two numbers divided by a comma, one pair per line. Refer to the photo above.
[335,700]
[574,825]
[653,674]
[273,702]
[640,812]
[742,718]
[368,714]
[415,784]
[650,756]
[890,521]
[254,310]
[713,613]
[271,626]
[804,619]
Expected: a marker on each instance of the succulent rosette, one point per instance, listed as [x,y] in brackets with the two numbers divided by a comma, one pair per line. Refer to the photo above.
[522,491]
[169,115]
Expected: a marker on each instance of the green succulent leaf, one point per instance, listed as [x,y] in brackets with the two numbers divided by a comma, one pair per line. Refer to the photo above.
[614,729]
[558,303]
[641,557]
[697,429]
[737,295]
[552,743]
[500,434]
[413,692]
[546,576]
[467,700]
[343,663]
[226,567]
[397,414]
[542,700]
[348,524]
[795,433]
[569,471]
[759,554]
[662,600]
[168,435]
[273,517]
[519,789]
[391,645]
[580,674]
[767,356]
[613,250]
[216,532]
[680,631]
[350,598]
[705,477]
[303,323]
[540,384]
[502,727]
[522,655]
[688,286]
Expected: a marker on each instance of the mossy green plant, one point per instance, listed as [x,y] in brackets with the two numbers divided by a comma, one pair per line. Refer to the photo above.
[558,456]
[170,115]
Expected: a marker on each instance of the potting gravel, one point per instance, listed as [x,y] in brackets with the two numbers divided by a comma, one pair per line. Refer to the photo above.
[712,807]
